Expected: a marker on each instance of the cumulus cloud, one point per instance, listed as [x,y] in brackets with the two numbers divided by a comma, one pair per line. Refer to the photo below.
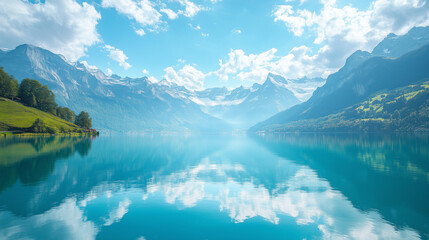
[140,32]
[338,32]
[61,26]
[148,13]
[341,31]
[143,12]
[118,56]
[188,77]
[191,9]
[252,67]
[170,13]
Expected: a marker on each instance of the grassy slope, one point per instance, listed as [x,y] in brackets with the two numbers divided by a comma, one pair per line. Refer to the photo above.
[377,113]
[15,116]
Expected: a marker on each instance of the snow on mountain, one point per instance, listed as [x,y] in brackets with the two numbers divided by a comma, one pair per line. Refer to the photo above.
[138,104]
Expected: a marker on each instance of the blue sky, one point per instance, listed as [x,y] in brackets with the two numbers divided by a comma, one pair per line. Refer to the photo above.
[184,41]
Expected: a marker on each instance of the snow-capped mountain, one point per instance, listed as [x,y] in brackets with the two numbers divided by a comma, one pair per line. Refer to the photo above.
[118,104]
[264,100]
[242,107]
[137,104]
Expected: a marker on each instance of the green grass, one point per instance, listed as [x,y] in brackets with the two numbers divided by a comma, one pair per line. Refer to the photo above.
[15,116]
[402,109]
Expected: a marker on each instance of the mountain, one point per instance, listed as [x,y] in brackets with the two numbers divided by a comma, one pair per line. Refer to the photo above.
[403,109]
[362,75]
[115,104]
[394,46]
[243,107]
[265,100]
[138,105]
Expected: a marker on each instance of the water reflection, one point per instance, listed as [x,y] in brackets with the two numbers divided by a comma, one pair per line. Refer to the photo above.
[387,172]
[205,187]
[31,159]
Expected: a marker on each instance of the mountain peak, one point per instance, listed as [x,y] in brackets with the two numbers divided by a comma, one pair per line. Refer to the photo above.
[277,80]
[25,45]
[394,46]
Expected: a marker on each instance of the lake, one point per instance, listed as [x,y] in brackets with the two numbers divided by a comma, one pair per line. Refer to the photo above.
[292,186]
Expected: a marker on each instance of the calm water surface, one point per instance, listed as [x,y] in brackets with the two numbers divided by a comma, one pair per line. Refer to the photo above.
[215,187]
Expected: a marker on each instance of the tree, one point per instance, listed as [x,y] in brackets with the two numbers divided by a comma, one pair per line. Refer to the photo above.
[38,126]
[27,92]
[8,85]
[33,94]
[83,120]
[65,113]
[45,99]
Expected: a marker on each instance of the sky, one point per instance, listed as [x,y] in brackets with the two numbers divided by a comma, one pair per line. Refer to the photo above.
[208,43]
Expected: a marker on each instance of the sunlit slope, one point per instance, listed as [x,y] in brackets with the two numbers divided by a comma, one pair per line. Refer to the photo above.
[362,76]
[15,116]
[403,109]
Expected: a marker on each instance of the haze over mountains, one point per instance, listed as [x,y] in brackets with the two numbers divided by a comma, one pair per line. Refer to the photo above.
[396,62]
[138,105]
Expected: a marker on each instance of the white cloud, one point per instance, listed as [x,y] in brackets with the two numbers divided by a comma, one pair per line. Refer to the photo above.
[143,12]
[236,31]
[140,32]
[145,71]
[188,77]
[251,67]
[295,23]
[198,27]
[341,31]
[205,34]
[61,26]
[170,13]
[118,56]
[191,9]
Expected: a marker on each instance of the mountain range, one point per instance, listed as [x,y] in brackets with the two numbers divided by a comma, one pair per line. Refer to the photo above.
[138,105]
[396,62]
[123,104]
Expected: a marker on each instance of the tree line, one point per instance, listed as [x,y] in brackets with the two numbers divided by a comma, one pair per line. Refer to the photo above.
[32,93]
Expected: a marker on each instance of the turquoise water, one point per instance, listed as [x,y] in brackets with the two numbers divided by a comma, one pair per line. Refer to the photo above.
[300,186]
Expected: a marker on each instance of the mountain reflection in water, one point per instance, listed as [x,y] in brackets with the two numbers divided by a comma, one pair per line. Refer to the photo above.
[215,187]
